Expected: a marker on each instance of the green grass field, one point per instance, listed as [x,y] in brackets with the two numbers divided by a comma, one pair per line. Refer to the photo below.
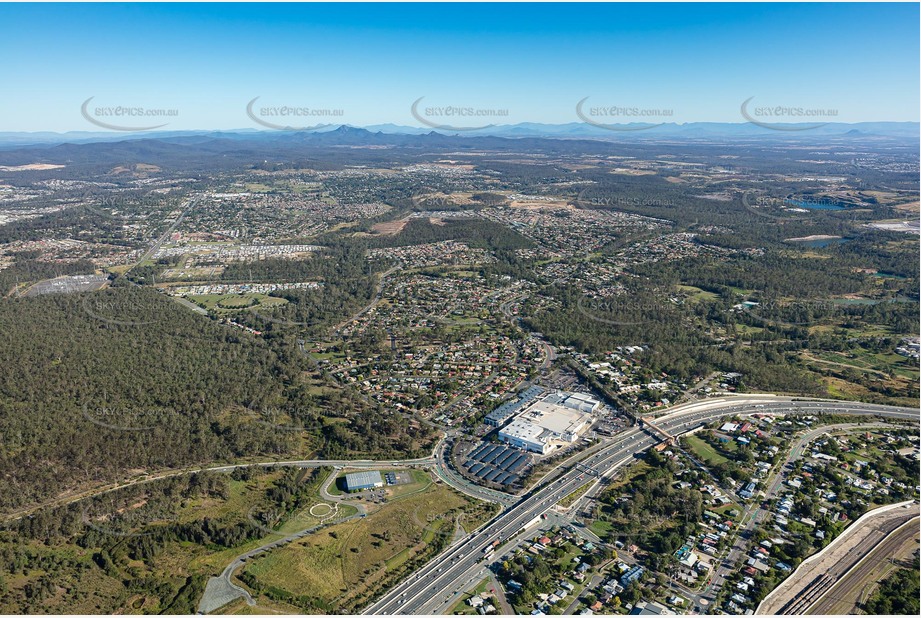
[724,509]
[420,481]
[461,608]
[304,518]
[704,451]
[696,294]
[330,356]
[864,360]
[601,528]
[242,496]
[235,302]
[342,563]
[571,498]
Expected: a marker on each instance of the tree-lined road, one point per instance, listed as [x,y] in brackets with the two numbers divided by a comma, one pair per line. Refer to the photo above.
[425,462]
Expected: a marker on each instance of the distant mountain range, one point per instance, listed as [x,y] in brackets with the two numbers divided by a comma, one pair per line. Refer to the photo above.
[572,130]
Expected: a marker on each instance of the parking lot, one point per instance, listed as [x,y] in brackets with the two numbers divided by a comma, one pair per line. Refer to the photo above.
[497,463]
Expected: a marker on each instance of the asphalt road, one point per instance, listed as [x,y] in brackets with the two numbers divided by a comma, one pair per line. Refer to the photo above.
[165,235]
[453,478]
[439,583]
[221,590]
[378,292]
[425,462]
[754,514]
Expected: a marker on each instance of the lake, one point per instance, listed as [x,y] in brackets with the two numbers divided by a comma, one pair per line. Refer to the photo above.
[814,205]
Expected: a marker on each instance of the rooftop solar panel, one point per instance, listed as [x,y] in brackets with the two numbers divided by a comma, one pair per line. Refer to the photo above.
[518,463]
[489,452]
[491,457]
[492,475]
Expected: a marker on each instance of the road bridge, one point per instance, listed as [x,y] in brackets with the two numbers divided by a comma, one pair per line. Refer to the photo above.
[655,429]
[438,584]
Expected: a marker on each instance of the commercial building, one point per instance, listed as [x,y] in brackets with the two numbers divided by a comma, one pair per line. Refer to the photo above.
[576,401]
[510,408]
[356,481]
[555,419]
[525,435]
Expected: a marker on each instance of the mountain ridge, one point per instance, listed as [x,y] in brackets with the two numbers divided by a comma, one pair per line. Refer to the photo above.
[13,139]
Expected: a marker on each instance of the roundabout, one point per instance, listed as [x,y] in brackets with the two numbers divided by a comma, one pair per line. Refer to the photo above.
[322,510]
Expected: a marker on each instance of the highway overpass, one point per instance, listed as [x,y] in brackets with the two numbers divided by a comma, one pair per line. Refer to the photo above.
[433,588]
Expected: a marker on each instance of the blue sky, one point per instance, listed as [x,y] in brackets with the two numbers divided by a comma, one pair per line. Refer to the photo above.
[371,61]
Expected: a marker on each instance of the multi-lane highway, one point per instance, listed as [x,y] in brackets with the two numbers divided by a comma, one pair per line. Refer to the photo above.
[439,583]
[436,584]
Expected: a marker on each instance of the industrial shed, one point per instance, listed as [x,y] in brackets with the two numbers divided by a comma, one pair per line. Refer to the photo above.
[356,481]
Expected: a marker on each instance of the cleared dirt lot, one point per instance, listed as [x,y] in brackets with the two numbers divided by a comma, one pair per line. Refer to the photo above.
[389,228]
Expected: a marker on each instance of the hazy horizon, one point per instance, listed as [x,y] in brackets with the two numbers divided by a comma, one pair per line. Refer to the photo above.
[183,67]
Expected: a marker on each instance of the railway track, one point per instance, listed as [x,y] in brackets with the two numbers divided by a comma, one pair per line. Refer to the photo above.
[820,586]
[841,591]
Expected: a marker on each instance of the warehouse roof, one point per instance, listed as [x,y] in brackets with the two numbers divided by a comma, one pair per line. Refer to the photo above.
[363,479]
